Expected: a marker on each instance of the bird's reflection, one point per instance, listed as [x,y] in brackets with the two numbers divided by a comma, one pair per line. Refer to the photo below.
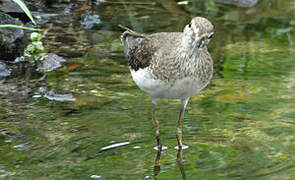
[157,166]
[179,160]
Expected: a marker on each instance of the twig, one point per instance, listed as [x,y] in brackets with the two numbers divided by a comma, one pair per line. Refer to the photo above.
[129,3]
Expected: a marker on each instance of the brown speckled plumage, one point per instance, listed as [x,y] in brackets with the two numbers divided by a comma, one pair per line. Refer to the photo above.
[165,56]
[173,65]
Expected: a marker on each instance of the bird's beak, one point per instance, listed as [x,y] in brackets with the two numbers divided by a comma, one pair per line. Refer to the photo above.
[196,44]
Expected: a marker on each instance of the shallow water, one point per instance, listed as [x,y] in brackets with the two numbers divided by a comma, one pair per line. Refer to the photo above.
[242,126]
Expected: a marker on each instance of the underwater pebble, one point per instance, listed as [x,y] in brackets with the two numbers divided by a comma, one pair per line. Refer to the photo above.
[21,146]
[37,96]
[8,140]
[89,20]
[114,146]
[94,91]
[95,176]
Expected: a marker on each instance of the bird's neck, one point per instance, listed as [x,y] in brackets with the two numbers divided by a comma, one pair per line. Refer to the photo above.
[186,46]
[200,59]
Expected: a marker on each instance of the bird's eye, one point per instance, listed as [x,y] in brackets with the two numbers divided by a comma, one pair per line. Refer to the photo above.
[210,36]
[190,25]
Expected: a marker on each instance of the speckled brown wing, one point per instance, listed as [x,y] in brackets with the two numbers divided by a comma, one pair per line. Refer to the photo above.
[138,50]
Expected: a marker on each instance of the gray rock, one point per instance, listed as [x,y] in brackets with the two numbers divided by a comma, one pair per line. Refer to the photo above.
[4,71]
[15,11]
[239,3]
[10,7]
[89,20]
[12,40]
[52,95]
[50,63]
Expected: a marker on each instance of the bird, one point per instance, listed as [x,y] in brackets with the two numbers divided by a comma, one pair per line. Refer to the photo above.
[170,65]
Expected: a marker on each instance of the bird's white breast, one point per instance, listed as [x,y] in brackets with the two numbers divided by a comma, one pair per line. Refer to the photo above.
[157,89]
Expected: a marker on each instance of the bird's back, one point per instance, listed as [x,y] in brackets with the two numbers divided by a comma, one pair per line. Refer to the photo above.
[143,51]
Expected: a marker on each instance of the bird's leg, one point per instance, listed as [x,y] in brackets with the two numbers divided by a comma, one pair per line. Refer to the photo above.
[156,126]
[179,161]
[157,166]
[180,122]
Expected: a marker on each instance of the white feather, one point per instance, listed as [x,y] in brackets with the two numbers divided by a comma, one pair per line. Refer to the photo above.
[158,89]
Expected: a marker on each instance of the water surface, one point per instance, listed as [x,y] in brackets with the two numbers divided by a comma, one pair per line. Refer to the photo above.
[240,127]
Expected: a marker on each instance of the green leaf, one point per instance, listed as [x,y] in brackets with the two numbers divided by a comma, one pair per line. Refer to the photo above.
[35,36]
[25,9]
[183,3]
[18,27]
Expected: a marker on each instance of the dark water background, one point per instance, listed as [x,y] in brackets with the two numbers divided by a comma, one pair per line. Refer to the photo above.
[242,126]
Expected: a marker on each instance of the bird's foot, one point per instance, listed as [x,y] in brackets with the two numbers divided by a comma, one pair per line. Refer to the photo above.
[160,148]
[182,147]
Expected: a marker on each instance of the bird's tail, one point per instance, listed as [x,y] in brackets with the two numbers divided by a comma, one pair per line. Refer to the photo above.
[131,40]
[130,32]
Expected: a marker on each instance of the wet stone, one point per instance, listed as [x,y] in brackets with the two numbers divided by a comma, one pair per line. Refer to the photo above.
[239,3]
[10,7]
[95,176]
[89,21]
[4,71]
[50,63]
[12,40]
[15,11]
[44,17]
[3,171]
[52,95]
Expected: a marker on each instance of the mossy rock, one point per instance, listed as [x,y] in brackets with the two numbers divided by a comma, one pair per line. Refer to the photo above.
[12,40]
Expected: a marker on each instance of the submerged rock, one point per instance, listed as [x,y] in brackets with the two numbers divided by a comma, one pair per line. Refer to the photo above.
[8,7]
[12,41]
[89,20]
[50,63]
[52,95]
[94,176]
[4,71]
[15,11]
[239,3]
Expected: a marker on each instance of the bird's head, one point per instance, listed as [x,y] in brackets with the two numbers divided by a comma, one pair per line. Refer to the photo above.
[198,33]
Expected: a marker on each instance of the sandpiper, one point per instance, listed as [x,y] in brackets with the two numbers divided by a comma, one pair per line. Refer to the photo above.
[170,65]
